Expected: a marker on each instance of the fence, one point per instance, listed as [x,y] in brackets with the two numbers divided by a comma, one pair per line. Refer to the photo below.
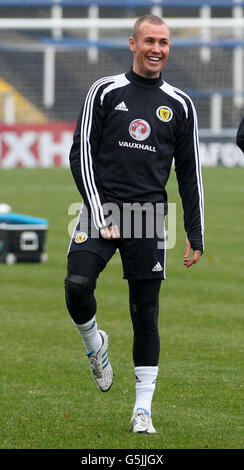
[51,51]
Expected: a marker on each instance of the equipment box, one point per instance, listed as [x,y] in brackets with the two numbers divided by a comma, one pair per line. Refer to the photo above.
[22,239]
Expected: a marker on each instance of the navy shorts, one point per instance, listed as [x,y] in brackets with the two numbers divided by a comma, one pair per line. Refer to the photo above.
[142,251]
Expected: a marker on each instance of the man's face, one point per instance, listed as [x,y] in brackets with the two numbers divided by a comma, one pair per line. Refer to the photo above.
[151,49]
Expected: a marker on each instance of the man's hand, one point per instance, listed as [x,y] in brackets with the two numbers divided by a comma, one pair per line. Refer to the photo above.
[195,258]
[110,232]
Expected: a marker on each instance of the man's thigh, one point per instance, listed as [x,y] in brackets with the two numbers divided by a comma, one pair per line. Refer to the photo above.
[143,259]
[142,250]
[89,251]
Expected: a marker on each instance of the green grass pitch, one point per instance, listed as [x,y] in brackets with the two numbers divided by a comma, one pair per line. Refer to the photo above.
[48,397]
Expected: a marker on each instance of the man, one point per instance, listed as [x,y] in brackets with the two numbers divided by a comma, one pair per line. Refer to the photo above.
[240,135]
[129,129]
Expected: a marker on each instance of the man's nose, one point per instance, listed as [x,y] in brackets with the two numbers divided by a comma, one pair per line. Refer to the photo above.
[156,48]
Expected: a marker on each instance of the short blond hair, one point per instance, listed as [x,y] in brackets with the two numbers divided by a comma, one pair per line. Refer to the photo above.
[153,19]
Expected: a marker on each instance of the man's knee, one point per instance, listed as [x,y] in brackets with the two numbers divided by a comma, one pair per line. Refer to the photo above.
[144,305]
[79,295]
[144,317]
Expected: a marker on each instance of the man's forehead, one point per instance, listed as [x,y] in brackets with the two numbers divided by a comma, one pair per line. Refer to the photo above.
[151,29]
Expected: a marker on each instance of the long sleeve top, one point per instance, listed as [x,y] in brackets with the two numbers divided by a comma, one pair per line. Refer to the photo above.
[129,131]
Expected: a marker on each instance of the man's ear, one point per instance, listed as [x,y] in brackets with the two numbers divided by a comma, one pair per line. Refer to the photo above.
[132,44]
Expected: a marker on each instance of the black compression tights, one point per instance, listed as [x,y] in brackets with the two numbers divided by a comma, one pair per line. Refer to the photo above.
[144,305]
[144,308]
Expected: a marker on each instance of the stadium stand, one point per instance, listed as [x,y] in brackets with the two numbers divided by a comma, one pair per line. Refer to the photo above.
[49,66]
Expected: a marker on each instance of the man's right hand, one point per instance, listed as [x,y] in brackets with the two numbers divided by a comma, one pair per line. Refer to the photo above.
[110,232]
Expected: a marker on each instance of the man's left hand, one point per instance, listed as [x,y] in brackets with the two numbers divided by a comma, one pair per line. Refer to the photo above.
[195,258]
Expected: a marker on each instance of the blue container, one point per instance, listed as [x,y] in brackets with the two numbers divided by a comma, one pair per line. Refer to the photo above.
[19,219]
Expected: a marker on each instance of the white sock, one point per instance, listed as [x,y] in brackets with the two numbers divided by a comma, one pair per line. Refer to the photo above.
[90,335]
[145,385]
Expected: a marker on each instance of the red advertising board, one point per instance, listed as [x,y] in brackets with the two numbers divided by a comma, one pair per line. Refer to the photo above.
[48,145]
[35,145]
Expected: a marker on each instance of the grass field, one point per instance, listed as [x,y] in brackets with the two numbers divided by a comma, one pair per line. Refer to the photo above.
[48,397]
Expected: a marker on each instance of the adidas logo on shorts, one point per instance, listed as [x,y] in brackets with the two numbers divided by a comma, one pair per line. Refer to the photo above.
[157,267]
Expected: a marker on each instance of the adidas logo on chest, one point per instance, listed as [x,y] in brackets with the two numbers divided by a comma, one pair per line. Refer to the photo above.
[121,107]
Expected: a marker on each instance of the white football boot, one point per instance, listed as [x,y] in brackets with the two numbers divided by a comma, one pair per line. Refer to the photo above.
[100,365]
[141,422]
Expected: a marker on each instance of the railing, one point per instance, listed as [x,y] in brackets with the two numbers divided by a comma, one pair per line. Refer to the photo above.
[8,107]
[113,23]
[122,3]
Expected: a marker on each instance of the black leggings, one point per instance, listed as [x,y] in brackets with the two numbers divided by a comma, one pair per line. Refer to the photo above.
[80,283]
[144,309]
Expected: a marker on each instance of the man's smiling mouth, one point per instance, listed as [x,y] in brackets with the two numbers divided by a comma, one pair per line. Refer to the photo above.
[154,59]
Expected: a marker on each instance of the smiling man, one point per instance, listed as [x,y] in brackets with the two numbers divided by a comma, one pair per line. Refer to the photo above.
[129,130]
[150,44]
